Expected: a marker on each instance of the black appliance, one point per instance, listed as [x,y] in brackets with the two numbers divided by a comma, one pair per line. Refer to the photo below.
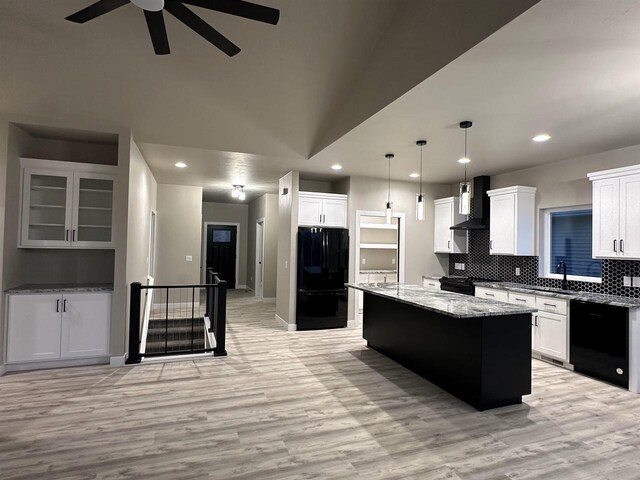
[480,220]
[599,341]
[323,270]
[464,285]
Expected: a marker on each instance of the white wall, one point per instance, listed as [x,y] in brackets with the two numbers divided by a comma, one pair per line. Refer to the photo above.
[4,141]
[265,207]
[232,213]
[143,193]
[287,248]
[179,234]
[371,194]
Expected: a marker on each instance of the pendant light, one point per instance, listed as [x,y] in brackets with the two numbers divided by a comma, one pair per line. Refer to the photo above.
[465,190]
[420,197]
[388,211]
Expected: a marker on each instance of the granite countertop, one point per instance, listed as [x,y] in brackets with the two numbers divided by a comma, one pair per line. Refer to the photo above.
[62,288]
[448,303]
[378,271]
[566,294]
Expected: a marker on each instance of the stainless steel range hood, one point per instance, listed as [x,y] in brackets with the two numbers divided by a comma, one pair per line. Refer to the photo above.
[480,220]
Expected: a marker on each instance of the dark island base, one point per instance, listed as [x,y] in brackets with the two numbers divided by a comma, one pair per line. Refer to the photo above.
[484,361]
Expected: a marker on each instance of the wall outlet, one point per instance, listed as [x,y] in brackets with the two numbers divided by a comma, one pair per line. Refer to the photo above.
[364,261]
[189,258]
[635,281]
[460,266]
[517,271]
[286,264]
[393,261]
[626,281]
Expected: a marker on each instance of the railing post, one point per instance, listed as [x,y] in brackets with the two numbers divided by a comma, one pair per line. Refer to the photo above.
[134,324]
[221,319]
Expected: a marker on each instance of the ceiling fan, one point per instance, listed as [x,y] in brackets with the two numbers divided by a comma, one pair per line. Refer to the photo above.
[155,19]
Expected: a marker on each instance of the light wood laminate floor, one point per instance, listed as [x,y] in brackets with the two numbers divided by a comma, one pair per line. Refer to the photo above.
[307,405]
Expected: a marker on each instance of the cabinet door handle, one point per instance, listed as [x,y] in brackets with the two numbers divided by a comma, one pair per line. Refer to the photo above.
[621,246]
[64,305]
[449,244]
[615,242]
[490,244]
[57,306]
[67,235]
[73,236]
[536,320]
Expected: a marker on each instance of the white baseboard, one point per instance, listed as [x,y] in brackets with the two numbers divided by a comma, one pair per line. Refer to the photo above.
[290,327]
[268,299]
[76,362]
[243,287]
[3,370]
[117,361]
[352,323]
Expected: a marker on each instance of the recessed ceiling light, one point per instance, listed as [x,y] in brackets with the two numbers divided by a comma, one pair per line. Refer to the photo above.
[336,167]
[464,160]
[414,175]
[543,137]
[181,165]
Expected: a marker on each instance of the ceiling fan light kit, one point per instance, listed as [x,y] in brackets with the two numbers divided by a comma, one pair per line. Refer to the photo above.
[153,13]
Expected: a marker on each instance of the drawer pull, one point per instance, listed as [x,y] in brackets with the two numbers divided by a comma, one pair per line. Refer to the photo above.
[489,294]
[521,300]
[551,305]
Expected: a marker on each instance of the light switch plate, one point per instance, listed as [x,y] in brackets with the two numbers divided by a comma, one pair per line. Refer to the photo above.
[189,258]
[393,261]
[635,281]
[364,261]
[517,271]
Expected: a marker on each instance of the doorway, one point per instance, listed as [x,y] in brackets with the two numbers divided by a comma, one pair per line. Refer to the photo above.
[221,251]
[259,276]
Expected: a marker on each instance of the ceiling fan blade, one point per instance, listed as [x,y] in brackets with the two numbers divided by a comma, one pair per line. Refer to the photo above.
[97,9]
[240,8]
[201,27]
[158,32]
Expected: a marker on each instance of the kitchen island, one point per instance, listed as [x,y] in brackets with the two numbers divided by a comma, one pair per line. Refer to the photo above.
[477,350]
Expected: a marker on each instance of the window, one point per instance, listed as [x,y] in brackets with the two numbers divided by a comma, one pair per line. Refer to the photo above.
[222,236]
[568,239]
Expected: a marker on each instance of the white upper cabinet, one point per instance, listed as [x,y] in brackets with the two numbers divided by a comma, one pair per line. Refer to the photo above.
[512,221]
[616,215]
[322,210]
[66,205]
[445,215]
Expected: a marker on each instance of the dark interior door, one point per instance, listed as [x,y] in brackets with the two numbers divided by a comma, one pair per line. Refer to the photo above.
[221,252]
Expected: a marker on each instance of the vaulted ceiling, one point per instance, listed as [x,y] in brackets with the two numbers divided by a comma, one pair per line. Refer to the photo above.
[335,81]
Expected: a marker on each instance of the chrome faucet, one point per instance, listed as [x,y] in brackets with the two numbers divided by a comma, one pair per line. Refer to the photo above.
[563,266]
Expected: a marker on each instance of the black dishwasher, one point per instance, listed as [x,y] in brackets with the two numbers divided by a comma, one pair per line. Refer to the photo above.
[599,341]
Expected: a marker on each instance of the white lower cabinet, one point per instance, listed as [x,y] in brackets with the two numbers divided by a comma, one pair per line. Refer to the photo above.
[44,327]
[550,335]
[549,325]
[86,321]
[33,332]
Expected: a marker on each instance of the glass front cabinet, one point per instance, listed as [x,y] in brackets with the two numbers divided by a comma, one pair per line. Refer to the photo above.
[69,206]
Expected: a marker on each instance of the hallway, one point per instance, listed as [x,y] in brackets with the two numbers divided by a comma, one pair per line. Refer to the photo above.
[288,405]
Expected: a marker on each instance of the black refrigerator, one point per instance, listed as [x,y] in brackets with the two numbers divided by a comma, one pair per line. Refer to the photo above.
[323,269]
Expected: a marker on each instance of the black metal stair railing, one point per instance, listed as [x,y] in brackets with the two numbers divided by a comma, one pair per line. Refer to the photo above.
[183,319]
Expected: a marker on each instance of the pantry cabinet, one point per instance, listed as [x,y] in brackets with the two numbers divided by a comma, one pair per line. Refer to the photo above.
[616,216]
[322,210]
[66,205]
[512,221]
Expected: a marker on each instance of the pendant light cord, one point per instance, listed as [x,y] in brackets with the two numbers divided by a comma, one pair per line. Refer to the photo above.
[421,147]
[465,155]
[389,182]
